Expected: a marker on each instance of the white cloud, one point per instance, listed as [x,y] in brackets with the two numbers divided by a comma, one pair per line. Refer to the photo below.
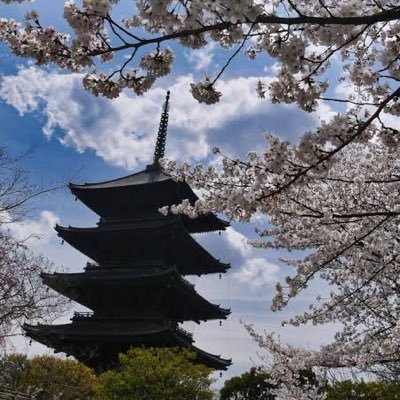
[122,131]
[257,272]
[324,112]
[250,265]
[238,101]
[344,89]
[272,69]
[259,219]
[202,58]
[36,231]
[237,241]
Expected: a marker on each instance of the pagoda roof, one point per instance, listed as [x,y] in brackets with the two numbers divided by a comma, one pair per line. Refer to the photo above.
[152,242]
[159,288]
[110,329]
[143,194]
[152,174]
[90,340]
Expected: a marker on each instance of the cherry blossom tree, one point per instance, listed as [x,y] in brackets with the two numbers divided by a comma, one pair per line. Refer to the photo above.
[22,295]
[333,195]
[343,215]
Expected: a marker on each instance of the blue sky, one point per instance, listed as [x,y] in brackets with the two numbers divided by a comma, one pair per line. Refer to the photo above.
[78,137]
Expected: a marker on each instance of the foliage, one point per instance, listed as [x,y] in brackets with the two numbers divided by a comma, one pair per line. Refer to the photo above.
[256,385]
[51,378]
[251,385]
[348,390]
[68,379]
[22,294]
[156,374]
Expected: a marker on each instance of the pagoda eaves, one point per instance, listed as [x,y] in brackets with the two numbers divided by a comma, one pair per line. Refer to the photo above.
[141,195]
[157,290]
[161,241]
[96,342]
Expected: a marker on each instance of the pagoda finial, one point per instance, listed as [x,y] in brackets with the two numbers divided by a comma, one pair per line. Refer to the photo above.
[162,131]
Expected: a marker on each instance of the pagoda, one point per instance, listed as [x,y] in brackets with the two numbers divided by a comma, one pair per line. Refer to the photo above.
[135,287]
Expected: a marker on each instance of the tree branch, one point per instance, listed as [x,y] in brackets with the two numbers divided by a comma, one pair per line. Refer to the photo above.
[388,15]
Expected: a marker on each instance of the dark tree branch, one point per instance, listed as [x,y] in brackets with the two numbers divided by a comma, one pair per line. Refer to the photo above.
[345,143]
[388,15]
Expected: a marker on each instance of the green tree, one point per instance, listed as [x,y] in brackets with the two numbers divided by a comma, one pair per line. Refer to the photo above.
[51,377]
[251,385]
[348,390]
[156,374]
[67,379]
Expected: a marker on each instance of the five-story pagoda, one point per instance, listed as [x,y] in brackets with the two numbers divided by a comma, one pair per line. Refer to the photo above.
[136,287]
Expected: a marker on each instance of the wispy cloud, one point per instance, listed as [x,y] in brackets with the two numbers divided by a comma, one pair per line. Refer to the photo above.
[254,270]
[122,131]
[257,272]
[37,231]
[201,59]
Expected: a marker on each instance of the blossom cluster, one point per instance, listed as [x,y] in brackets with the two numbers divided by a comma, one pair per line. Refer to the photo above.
[204,92]
[158,63]
[303,47]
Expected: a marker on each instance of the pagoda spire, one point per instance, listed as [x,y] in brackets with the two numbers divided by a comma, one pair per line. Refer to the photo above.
[162,132]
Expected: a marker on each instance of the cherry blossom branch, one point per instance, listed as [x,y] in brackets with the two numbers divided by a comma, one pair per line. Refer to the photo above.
[367,181]
[331,53]
[366,103]
[235,53]
[346,216]
[345,143]
[114,24]
[354,291]
[340,252]
[389,15]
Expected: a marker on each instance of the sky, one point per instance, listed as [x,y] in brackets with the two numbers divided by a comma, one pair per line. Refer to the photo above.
[78,137]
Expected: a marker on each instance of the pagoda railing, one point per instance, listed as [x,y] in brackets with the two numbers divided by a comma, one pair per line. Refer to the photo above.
[90,265]
[184,332]
[78,315]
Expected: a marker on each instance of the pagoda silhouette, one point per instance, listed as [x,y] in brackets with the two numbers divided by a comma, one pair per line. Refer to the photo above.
[135,288]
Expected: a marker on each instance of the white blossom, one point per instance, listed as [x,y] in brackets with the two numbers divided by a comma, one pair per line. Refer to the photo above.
[158,63]
[303,48]
[204,92]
